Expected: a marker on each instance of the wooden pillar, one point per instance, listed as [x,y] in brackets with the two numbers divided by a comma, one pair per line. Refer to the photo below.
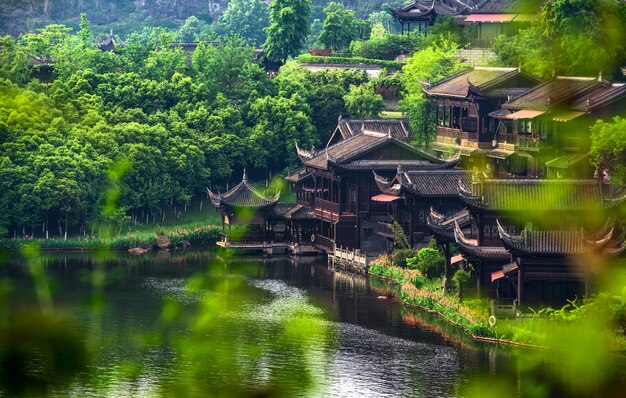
[339,192]
[331,190]
[479,275]
[358,210]
[446,267]
[520,283]
[411,218]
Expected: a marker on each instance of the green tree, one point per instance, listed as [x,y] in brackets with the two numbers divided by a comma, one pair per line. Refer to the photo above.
[426,66]
[566,40]
[608,148]
[339,27]
[430,262]
[385,19]
[190,30]
[363,102]
[12,61]
[288,29]
[316,30]
[246,18]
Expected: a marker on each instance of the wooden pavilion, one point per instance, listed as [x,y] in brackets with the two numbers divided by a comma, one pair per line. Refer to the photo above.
[245,205]
[421,14]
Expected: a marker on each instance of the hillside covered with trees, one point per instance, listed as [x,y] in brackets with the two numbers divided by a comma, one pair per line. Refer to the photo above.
[150,121]
[125,17]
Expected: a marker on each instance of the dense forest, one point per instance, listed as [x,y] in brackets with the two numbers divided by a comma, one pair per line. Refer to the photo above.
[126,16]
[151,125]
[166,122]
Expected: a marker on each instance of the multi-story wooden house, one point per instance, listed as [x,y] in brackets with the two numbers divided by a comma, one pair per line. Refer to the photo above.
[549,125]
[464,103]
[531,239]
[338,183]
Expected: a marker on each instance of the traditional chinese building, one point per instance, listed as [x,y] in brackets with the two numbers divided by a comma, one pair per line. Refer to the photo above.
[530,240]
[549,124]
[108,42]
[492,18]
[463,104]
[245,205]
[338,183]
[410,195]
[420,14]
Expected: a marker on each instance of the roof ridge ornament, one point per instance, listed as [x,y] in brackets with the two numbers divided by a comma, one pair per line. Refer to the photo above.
[245,175]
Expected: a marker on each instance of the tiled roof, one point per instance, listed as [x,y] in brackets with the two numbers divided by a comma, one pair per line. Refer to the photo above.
[419,8]
[471,249]
[440,183]
[559,90]
[443,226]
[601,95]
[393,165]
[536,195]
[281,210]
[480,78]
[349,149]
[301,212]
[399,128]
[494,6]
[555,242]
[299,175]
[243,195]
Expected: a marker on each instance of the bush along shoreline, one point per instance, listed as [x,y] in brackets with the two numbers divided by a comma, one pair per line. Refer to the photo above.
[417,291]
[177,237]
[543,329]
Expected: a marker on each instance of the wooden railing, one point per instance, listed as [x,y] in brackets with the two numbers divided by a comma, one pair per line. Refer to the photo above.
[504,308]
[327,205]
[350,258]
[322,242]
[522,142]
[449,132]
[530,143]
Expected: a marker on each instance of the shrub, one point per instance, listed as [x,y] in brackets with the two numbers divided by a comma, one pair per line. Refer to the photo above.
[400,257]
[419,281]
[430,262]
[311,59]
[461,279]
[387,46]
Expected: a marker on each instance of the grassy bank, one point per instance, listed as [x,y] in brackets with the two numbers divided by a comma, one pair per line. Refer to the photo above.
[427,294]
[195,234]
[600,320]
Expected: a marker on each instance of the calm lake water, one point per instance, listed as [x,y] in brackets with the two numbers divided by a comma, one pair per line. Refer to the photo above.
[361,343]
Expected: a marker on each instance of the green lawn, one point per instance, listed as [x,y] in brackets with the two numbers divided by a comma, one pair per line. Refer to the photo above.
[392,115]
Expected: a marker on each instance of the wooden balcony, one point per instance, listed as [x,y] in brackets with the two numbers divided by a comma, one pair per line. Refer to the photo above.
[522,142]
[322,243]
[449,133]
[331,211]
[531,143]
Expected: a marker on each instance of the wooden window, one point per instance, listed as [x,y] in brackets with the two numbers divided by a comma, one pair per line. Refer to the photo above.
[470,124]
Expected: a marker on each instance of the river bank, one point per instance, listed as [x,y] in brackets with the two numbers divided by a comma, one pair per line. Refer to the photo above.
[540,331]
[179,236]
